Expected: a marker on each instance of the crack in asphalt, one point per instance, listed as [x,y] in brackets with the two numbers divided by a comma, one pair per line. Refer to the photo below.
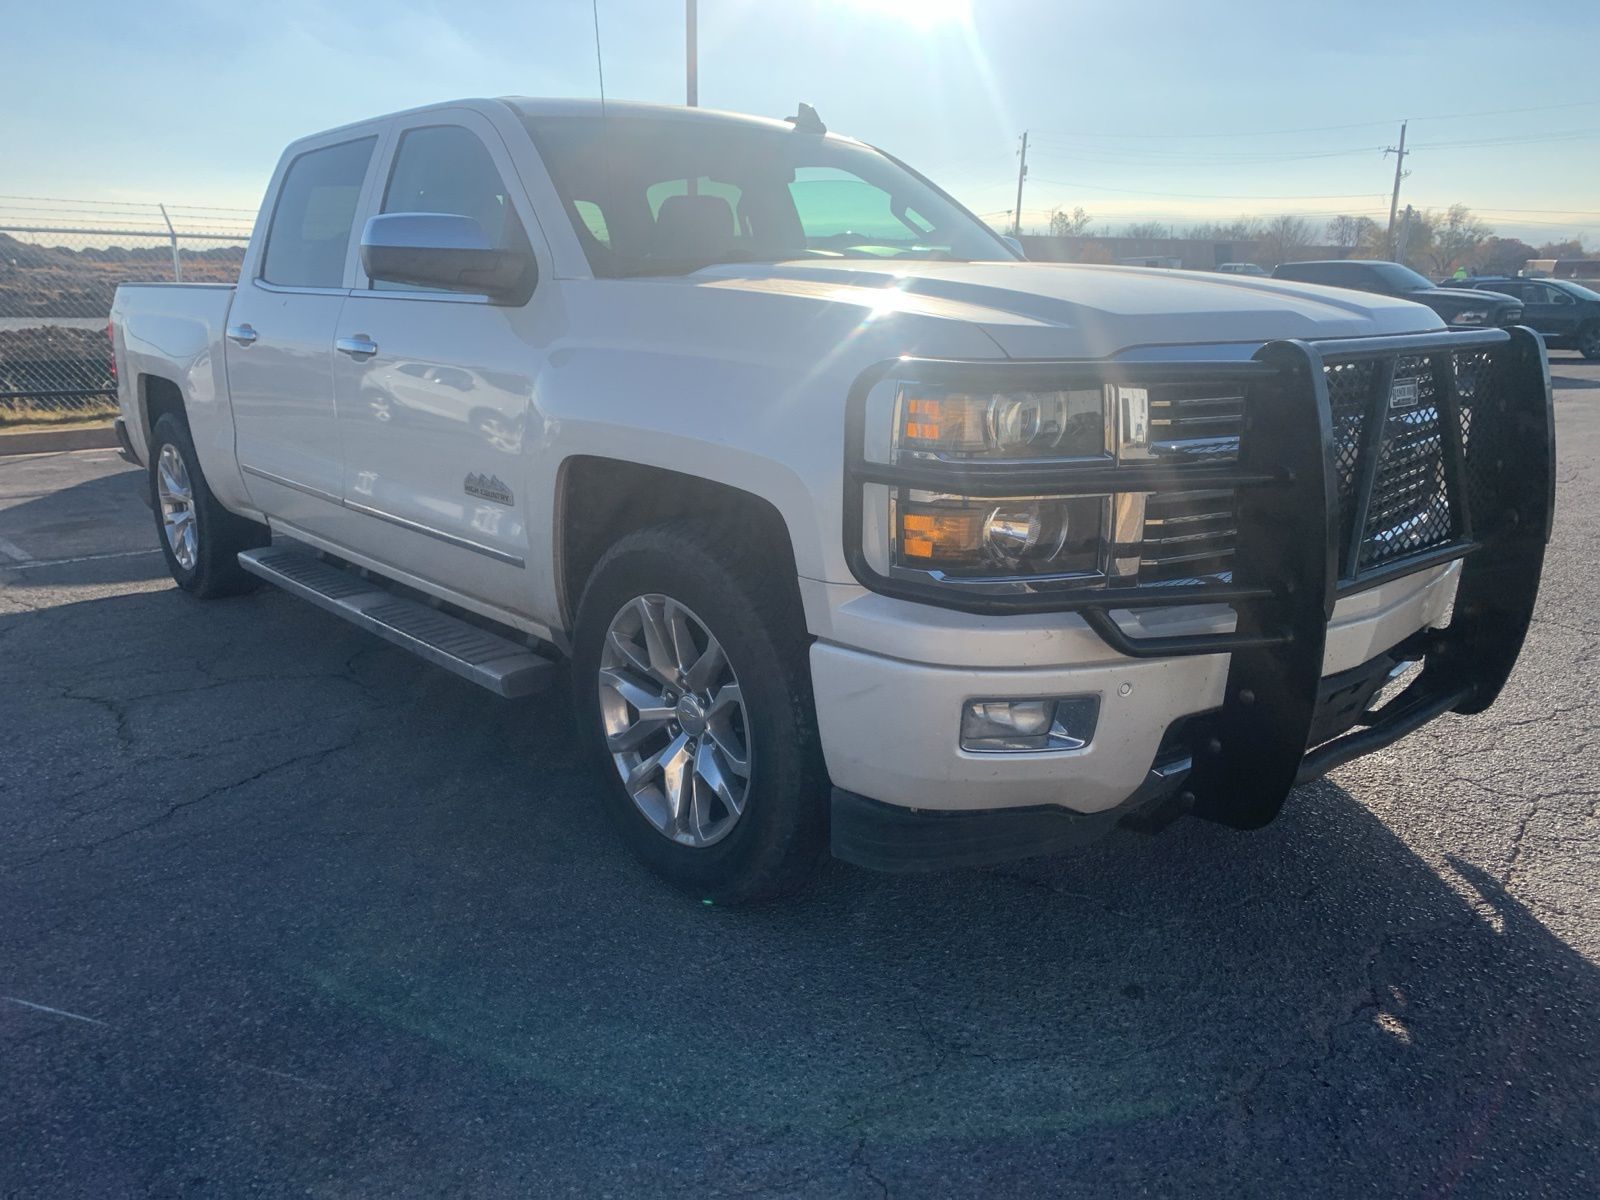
[858,1160]
[311,756]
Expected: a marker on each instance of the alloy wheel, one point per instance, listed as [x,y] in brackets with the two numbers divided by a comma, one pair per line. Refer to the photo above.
[175,495]
[675,720]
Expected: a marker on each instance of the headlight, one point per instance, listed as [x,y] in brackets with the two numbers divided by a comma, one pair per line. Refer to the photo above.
[1038,483]
[962,536]
[1472,316]
[1000,425]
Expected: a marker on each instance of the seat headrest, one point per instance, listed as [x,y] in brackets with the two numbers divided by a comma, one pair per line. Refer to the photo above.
[693,226]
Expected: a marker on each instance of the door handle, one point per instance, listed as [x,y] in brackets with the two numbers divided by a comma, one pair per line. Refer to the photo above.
[360,346]
[242,334]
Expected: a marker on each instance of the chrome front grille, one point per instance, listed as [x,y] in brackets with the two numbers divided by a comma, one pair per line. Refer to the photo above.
[1187,535]
[1188,424]
[1190,535]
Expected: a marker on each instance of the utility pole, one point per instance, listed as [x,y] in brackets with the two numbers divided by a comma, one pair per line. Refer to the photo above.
[1394,198]
[1022,173]
[691,40]
[1405,234]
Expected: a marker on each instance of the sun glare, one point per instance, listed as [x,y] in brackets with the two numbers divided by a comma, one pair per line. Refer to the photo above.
[924,14]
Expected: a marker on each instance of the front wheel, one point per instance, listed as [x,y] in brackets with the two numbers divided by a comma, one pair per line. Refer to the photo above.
[1589,341]
[200,539]
[691,682]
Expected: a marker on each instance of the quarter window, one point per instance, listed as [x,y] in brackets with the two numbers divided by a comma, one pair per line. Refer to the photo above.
[309,237]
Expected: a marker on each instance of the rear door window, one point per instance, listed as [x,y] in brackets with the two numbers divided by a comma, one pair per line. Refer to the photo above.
[309,238]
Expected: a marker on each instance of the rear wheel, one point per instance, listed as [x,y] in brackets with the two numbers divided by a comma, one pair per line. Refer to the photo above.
[691,681]
[200,539]
[1589,340]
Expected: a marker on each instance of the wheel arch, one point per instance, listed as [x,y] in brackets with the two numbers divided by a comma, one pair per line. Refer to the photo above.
[158,396]
[600,500]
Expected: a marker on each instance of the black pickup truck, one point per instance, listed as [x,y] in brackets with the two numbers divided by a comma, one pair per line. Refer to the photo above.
[1565,313]
[1458,306]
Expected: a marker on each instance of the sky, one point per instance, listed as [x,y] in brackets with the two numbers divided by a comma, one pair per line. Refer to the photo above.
[1164,110]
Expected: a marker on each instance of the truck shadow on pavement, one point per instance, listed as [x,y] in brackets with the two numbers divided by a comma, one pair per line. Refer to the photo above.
[345,917]
[101,528]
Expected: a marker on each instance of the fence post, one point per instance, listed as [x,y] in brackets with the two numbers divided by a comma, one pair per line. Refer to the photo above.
[172,236]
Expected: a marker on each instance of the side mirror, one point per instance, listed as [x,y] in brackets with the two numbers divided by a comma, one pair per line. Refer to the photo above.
[1014,244]
[442,250]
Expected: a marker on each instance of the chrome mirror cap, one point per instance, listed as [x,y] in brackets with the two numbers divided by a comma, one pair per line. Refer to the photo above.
[445,251]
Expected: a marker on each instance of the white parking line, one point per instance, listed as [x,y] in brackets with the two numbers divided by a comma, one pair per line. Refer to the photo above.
[33,563]
[45,1008]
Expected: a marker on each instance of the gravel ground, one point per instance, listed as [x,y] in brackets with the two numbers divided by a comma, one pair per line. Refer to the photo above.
[285,910]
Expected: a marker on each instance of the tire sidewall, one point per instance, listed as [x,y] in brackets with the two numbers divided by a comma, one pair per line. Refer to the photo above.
[781,792]
[219,534]
[1588,341]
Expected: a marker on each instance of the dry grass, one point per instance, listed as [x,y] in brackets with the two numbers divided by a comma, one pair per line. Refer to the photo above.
[25,417]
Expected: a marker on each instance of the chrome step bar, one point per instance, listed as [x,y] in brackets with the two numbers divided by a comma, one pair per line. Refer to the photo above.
[507,668]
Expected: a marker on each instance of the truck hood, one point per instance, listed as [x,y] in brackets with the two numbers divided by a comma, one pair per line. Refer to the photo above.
[1066,310]
[1449,301]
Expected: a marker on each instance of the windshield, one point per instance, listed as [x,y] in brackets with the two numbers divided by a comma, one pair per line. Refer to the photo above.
[1579,291]
[656,196]
[1402,279]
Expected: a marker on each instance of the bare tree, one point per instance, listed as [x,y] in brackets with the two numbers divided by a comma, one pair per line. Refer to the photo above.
[1414,239]
[1456,238]
[1504,256]
[1284,239]
[1242,229]
[1147,230]
[1348,233]
[1065,224]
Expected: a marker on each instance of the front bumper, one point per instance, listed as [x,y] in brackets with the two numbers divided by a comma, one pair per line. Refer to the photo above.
[1306,600]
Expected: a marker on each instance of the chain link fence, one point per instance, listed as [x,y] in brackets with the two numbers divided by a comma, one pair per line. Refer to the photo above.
[61,262]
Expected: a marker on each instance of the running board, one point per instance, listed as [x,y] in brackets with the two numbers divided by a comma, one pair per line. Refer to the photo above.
[505,667]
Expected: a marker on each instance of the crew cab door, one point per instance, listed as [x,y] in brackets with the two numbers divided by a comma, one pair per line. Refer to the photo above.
[1549,310]
[279,338]
[435,388]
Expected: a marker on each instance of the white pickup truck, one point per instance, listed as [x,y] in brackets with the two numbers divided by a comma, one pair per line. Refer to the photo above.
[857,529]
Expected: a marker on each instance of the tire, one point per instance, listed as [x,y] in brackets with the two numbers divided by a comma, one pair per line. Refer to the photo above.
[202,550]
[709,578]
[1588,341]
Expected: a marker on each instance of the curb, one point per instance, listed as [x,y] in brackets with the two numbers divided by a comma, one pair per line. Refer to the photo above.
[45,441]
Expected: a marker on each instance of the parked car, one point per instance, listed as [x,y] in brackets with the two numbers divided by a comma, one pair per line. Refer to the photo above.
[857,530]
[1241,269]
[1458,306]
[1565,313]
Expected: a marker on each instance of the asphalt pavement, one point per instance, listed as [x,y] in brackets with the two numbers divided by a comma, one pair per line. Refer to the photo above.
[285,910]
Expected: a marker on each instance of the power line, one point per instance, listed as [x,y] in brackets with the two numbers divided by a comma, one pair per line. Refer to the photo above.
[1161,157]
[129,205]
[1203,195]
[1495,112]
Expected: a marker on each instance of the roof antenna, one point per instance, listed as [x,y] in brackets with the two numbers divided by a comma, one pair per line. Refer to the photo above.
[599,65]
[805,120]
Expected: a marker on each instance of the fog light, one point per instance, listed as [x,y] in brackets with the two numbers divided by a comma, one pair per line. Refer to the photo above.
[1057,723]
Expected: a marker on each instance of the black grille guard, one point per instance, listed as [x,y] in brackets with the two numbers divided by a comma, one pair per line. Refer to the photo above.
[1294,555]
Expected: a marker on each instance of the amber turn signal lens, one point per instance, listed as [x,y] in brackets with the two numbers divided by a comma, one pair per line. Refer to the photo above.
[942,537]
